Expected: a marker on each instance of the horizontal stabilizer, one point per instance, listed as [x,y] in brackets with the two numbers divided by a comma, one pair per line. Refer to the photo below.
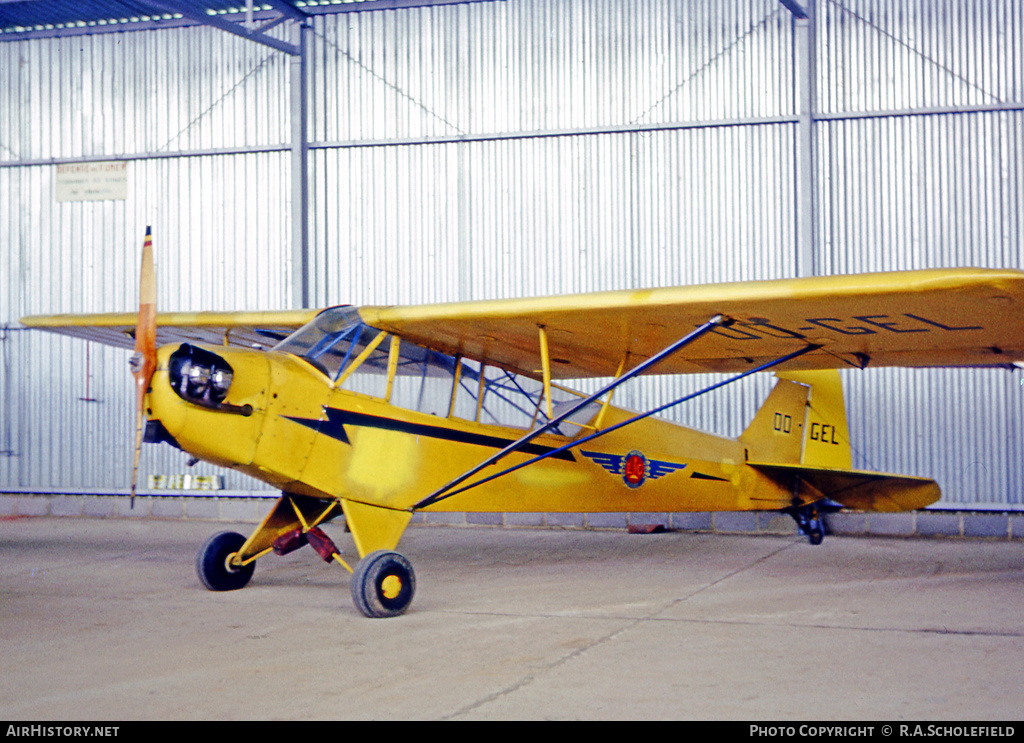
[865,491]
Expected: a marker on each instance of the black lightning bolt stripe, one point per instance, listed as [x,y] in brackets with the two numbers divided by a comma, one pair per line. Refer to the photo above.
[336,421]
[702,476]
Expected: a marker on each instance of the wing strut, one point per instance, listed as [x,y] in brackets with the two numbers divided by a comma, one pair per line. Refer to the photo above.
[446,492]
[527,438]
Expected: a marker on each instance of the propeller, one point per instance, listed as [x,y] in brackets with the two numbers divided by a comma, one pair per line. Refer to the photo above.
[143,361]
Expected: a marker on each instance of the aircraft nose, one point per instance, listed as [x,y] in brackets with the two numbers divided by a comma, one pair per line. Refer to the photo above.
[209,400]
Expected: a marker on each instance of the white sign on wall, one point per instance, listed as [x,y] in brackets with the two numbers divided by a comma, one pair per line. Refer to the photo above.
[101,181]
[185,482]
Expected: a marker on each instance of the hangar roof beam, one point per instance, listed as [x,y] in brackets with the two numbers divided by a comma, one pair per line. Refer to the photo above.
[199,13]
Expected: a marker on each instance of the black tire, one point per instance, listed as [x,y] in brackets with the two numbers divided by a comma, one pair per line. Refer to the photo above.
[383,584]
[212,563]
[816,535]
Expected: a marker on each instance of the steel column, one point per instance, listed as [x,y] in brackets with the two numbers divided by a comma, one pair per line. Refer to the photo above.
[300,170]
[803,67]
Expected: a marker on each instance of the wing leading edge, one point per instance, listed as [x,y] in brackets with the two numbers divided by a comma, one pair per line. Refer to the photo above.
[946,317]
[247,329]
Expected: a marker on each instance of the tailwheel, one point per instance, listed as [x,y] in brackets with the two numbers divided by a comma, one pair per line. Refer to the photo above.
[816,533]
[383,584]
[213,563]
[808,519]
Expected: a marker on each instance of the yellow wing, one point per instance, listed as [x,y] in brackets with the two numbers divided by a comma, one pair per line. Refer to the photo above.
[248,329]
[947,317]
[952,317]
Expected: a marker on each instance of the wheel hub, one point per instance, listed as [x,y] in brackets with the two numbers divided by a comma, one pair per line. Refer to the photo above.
[391,586]
[231,563]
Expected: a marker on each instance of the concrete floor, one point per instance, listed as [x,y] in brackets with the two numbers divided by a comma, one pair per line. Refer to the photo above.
[104,619]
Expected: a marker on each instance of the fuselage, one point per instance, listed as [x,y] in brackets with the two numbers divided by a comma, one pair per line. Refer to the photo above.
[286,422]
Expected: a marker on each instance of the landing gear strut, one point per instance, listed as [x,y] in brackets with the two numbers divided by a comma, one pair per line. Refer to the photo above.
[808,519]
[383,583]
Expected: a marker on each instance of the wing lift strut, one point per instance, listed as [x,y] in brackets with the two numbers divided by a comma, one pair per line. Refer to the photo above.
[452,488]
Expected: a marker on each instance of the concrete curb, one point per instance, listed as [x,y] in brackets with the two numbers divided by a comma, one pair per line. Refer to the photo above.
[931,523]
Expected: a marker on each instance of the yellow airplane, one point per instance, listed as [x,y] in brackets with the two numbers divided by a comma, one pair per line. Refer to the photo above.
[376,413]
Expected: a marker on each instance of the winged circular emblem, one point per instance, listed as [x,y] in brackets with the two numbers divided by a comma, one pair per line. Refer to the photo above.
[634,467]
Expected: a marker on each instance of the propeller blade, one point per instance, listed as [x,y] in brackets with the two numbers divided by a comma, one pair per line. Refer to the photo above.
[143,361]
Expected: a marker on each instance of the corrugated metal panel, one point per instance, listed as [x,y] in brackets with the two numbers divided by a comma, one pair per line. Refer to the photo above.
[537,65]
[213,251]
[922,192]
[551,215]
[961,427]
[536,189]
[83,257]
[535,215]
[876,55]
[141,92]
[917,192]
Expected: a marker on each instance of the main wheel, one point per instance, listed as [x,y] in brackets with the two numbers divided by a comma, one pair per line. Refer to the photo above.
[383,584]
[212,565]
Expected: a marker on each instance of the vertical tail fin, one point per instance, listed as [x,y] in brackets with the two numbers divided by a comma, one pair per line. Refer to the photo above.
[803,421]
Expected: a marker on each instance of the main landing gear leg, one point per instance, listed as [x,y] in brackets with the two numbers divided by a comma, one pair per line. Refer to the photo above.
[383,582]
[808,519]
[227,561]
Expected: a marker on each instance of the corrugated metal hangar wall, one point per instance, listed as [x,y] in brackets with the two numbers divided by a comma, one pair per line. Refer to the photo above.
[495,149]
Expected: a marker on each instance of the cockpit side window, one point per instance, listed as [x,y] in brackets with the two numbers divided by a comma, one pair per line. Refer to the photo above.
[424,380]
[510,399]
[449,386]
[518,401]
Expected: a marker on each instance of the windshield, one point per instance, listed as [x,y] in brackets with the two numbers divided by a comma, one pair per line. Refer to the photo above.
[326,340]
